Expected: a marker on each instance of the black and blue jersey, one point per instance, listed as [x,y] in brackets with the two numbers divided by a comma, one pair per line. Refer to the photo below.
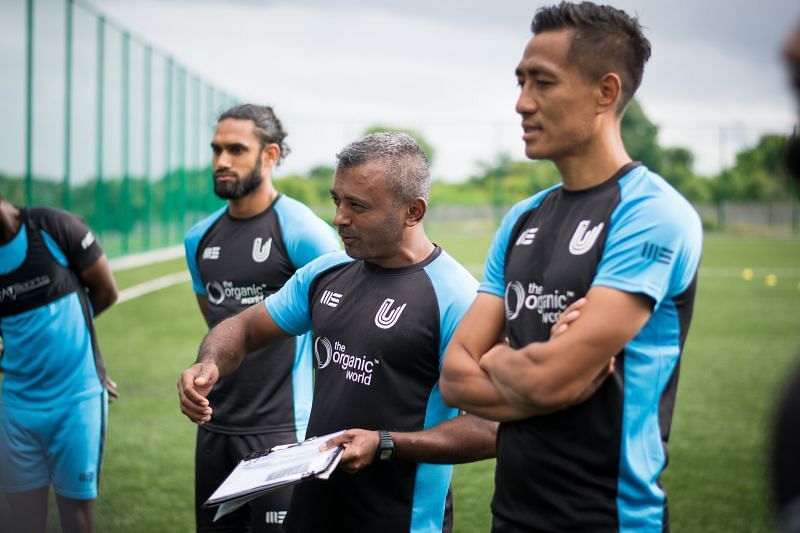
[236,263]
[379,337]
[50,353]
[595,466]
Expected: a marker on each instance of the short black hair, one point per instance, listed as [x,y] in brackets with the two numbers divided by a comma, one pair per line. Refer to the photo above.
[606,39]
[268,127]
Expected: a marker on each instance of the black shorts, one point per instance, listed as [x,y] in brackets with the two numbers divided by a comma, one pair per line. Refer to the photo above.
[216,455]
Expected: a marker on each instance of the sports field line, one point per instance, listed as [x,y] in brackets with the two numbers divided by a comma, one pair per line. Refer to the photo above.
[153,285]
[127,262]
[179,277]
[712,272]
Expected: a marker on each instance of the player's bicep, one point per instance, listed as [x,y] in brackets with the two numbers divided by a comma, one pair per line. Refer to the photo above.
[99,279]
[482,325]
[260,328]
[478,331]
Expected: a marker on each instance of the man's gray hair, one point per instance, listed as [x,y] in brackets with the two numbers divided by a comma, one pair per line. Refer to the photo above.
[407,169]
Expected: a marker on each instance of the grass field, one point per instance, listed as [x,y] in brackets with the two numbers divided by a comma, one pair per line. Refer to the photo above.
[742,342]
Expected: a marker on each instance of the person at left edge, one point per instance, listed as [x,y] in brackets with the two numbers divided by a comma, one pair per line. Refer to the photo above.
[54,279]
[240,254]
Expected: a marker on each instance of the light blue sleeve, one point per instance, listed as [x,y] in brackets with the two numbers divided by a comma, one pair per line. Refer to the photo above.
[305,235]
[455,290]
[494,270]
[192,241]
[289,307]
[653,246]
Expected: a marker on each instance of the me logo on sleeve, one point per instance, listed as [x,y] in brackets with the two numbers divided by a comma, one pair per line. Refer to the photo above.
[87,240]
[330,298]
[387,317]
[211,252]
[261,249]
[582,240]
[527,237]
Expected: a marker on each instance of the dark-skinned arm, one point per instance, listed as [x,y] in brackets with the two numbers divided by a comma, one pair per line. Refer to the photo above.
[221,353]
[557,373]
[99,281]
[461,439]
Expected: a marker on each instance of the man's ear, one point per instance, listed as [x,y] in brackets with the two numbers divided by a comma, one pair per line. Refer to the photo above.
[270,154]
[416,211]
[609,92]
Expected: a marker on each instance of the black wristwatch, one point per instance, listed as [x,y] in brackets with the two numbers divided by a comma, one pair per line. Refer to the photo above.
[385,451]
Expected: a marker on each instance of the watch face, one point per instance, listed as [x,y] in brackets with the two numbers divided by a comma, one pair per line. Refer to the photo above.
[386,455]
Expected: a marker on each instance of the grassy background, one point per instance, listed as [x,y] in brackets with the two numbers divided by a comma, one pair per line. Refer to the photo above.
[740,348]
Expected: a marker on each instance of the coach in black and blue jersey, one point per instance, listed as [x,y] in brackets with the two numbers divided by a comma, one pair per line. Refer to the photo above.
[612,232]
[54,279]
[381,315]
[239,255]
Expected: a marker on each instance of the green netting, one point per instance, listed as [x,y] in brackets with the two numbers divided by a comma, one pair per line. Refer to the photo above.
[115,130]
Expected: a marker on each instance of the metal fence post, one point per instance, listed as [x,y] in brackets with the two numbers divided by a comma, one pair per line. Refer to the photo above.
[126,187]
[167,181]
[196,176]
[209,180]
[29,104]
[146,146]
[181,102]
[99,200]
[67,196]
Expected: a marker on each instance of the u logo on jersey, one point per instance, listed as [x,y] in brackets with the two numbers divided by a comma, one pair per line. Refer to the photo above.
[386,317]
[261,251]
[582,240]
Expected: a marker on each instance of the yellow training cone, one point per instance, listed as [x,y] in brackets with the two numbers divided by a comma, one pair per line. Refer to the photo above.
[747,274]
[771,280]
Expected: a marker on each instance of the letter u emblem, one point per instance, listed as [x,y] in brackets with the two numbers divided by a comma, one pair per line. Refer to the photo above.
[386,316]
[582,240]
[261,251]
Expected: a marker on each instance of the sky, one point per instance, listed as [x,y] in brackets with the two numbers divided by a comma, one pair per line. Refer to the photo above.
[714,84]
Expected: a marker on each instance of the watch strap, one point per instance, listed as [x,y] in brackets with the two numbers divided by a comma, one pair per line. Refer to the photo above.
[386,448]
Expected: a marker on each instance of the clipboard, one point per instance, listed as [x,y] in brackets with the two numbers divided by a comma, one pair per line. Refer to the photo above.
[267,470]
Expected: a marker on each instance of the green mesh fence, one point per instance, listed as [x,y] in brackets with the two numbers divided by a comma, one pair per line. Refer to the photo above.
[115,130]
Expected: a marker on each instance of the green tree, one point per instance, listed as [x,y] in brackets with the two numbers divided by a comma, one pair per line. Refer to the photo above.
[759,173]
[676,167]
[640,136]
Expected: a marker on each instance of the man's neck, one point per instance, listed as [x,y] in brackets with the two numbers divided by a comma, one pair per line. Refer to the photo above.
[254,203]
[9,221]
[600,160]
[414,249]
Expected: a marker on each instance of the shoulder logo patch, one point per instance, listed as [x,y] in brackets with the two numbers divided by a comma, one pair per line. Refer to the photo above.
[211,252]
[527,237]
[87,240]
[582,240]
[330,298]
[386,317]
[659,254]
[261,249]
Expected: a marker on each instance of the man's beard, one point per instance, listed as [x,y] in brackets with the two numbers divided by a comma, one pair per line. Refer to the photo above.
[233,190]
